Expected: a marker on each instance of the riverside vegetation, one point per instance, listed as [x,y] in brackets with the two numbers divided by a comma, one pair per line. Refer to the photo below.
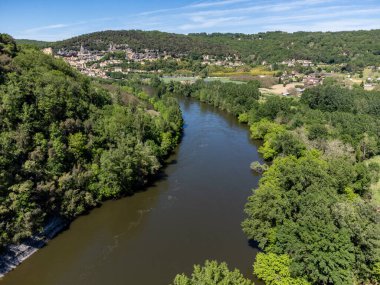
[67,143]
[315,212]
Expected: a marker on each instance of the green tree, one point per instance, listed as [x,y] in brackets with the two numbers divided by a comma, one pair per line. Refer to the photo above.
[294,212]
[212,273]
[368,146]
[274,269]
[77,144]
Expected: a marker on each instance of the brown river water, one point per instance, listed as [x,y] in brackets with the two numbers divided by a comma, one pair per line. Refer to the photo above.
[192,213]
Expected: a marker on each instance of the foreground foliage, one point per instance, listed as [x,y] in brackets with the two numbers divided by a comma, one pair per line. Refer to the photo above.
[308,208]
[274,270]
[66,144]
[212,273]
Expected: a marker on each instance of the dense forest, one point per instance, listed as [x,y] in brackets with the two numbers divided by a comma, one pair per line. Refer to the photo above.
[67,143]
[315,212]
[212,273]
[39,44]
[358,48]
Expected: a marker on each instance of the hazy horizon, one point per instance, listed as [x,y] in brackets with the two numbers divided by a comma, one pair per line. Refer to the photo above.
[56,21]
[206,33]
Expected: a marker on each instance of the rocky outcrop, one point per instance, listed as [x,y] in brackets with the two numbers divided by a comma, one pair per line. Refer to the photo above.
[15,254]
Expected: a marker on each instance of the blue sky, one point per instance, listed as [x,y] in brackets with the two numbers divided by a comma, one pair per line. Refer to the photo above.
[56,20]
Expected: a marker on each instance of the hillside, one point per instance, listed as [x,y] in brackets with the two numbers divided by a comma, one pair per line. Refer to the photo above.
[357,47]
[39,44]
[139,40]
[67,143]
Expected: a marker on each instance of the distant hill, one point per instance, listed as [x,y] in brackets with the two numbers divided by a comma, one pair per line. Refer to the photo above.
[355,47]
[139,40]
[39,44]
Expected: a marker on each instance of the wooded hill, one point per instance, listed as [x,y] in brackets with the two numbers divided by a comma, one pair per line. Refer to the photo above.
[360,48]
[39,44]
[67,143]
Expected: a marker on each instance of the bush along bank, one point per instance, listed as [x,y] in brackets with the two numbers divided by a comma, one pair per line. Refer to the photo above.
[315,212]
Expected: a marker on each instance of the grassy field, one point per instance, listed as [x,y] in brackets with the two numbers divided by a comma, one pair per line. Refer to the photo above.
[224,80]
[368,72]
[279,89]
[254,72]
[193,79]
[178,79]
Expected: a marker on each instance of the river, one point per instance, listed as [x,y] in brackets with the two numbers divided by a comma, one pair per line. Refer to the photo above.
[192,213]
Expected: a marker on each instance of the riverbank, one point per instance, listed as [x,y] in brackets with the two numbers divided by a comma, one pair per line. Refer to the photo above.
[15,254]
[191,213]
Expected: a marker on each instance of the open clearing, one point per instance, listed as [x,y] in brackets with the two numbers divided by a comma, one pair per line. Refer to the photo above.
[279,89]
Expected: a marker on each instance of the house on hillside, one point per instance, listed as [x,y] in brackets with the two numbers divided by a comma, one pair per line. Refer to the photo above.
[311,80]
[305,63]
[293,62]
[48,51]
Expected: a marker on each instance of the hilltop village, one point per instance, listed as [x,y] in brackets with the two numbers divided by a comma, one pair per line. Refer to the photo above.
[287,78]
[96,63]
[99,63]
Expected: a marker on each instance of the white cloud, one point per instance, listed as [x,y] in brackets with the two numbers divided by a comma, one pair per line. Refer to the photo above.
[215,3]
[293,6]
[195,6]
[328,26]
[247,16]
[159,11]
[48,27]
[201,22]
[62,31]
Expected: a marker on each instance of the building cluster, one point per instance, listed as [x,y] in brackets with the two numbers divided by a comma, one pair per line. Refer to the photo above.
[299,82]
[146,54]
[294,62]
[308,80]
[83,60]
[290,77]
[94,63]
[313,79]
[231,61]
[370,83]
